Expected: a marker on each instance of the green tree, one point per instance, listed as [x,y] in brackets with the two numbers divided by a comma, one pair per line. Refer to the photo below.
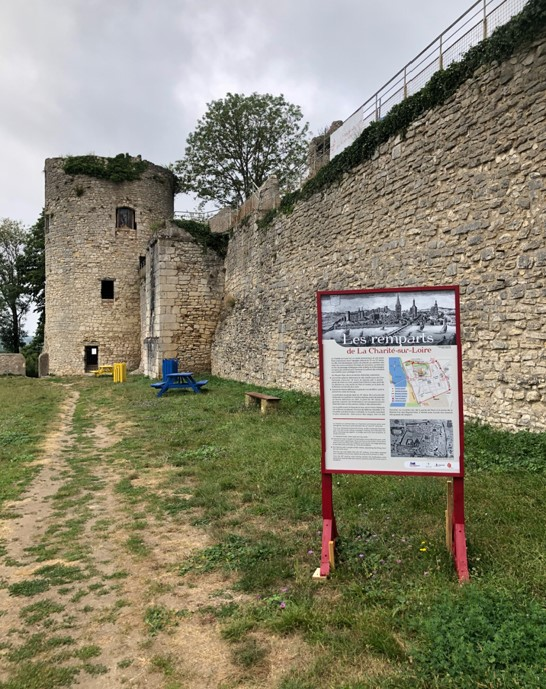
[239,143]
[34,275]
[14,297]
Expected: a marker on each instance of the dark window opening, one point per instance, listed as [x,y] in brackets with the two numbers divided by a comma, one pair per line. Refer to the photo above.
[107,289]
[125,217]
[141,261]
[91,358]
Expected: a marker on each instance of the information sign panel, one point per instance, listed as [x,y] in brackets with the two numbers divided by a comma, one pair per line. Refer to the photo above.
[391,392]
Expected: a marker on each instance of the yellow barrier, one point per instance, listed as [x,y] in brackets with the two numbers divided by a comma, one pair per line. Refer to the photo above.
[120,373]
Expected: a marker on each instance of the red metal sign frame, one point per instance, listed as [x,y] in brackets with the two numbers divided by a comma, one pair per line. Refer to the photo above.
[329,531]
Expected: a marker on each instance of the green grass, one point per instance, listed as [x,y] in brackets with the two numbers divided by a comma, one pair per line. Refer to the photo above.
[86,652]
[38,644]
[45,577]
[95,668]
[40,611]
[391,616]
[164,664]
[248,653]
[28,406]
[509,630]
[158,618]
[39,675]
[501,451]
[137,546]
[256,488]
[125,663]
[58,575]
[29,587]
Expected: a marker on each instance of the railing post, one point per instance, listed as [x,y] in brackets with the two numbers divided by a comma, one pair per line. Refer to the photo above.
[485,19]
[376,109]
[405,82]
[442,51]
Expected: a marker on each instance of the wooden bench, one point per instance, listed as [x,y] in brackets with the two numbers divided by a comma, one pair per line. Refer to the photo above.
[267,402]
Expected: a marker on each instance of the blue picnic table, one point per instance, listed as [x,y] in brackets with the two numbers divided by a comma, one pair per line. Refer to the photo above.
[182,380]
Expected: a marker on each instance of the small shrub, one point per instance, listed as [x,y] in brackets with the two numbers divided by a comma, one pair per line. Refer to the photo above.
[201,233]
[121,168]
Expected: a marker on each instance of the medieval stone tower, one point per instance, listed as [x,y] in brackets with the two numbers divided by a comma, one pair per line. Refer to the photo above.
[97,231]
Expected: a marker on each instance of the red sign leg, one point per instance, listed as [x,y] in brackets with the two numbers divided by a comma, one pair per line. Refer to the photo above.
[329,530]
[459,538]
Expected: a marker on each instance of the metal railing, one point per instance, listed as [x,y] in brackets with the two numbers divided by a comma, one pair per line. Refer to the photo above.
[198,216]
[473,26]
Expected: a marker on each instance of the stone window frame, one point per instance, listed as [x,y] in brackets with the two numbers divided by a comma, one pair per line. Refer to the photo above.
[129,213]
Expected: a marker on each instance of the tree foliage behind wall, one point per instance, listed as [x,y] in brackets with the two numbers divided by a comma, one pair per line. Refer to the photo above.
[34,274]
[14,297]
[240,142]
[34,281]
[22,284]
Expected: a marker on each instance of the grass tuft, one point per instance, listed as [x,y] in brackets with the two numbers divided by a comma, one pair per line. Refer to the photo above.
[42,610]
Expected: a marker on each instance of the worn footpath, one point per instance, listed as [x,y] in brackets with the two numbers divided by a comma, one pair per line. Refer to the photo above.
[91,594]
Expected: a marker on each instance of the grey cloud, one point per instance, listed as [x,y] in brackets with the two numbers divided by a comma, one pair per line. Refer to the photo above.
[134,75]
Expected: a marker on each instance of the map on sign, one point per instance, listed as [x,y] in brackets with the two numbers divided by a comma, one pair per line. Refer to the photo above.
[420,382]
[432,438]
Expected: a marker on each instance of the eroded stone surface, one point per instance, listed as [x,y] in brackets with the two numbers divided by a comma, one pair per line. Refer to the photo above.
[459,200]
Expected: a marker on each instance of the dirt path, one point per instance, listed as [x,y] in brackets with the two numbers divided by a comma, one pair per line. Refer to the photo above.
[91,595]
[22,531]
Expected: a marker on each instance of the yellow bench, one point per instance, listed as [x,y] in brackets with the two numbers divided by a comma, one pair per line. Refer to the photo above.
[104,370]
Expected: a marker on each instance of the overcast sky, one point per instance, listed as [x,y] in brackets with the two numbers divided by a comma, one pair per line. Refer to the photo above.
[117,76]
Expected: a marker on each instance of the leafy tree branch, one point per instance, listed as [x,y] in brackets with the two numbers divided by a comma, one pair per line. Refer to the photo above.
[239,143]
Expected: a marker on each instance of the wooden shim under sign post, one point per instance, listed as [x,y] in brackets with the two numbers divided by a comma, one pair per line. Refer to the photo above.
[449,516]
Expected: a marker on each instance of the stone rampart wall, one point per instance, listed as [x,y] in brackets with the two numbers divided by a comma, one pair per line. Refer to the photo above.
[459,200]
[266,198]
[12,364]
[182,293]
